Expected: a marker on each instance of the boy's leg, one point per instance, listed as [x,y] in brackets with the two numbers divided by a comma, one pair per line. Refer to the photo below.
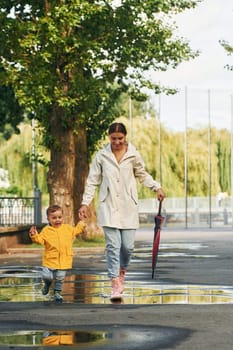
[59,277]
[47,275]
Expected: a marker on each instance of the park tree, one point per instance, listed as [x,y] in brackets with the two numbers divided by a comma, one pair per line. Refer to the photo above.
[68,61]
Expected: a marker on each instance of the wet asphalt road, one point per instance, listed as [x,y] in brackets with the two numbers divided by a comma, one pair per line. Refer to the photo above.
[187,257]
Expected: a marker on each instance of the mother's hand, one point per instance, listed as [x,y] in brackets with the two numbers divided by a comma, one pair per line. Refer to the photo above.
[83,212]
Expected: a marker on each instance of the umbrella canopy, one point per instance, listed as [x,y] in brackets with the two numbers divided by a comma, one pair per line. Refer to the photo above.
[156,241]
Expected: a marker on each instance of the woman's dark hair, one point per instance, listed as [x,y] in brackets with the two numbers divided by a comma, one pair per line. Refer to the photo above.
[117,127]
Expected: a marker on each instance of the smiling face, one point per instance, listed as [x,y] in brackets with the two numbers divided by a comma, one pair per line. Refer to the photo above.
[117,140]
[55,218]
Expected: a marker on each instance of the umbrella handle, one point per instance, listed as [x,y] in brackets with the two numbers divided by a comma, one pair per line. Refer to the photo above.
[160,208]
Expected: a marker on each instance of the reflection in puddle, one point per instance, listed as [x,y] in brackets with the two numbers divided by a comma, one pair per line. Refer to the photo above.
[118,338]
[52,337]
[173,250]
[24,284]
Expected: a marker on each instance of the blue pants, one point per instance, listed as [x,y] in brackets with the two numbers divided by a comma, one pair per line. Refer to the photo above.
[119,249]
[58,276]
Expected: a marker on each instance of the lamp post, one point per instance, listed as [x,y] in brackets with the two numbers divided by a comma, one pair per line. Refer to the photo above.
[186,155]
[36,191]
[209,159]
[130,119]
[34,165]
[231,106]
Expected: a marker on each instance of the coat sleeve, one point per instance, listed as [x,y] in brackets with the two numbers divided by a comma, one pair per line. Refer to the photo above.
[93,180]
[37,238]
[142,175]
[79,228]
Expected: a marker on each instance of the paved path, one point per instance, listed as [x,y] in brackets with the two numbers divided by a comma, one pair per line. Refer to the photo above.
[186,258]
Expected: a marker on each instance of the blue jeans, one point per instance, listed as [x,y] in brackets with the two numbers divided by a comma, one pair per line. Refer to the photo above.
[58,276]
[119,249]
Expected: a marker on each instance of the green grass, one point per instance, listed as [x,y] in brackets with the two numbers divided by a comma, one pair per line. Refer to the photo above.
[93,242]
[79,243]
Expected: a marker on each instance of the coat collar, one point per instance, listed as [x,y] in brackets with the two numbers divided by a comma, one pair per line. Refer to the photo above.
[130,151]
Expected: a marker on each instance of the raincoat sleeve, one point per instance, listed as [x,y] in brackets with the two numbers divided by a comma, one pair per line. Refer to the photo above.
[93,180]
[143,176]
[79,228]
[38,237]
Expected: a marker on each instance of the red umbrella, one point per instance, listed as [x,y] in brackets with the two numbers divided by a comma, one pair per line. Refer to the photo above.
[157,228]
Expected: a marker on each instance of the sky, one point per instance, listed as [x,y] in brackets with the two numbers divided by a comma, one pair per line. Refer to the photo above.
[203,82]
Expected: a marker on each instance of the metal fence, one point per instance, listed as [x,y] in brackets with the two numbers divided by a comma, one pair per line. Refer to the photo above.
[190,212]
[20,210]
[179,212]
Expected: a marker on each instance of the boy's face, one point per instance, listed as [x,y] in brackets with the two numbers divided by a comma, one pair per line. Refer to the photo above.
[56,218]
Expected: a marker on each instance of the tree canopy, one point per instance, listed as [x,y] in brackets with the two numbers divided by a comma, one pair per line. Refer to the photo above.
[11,114]
[69,61]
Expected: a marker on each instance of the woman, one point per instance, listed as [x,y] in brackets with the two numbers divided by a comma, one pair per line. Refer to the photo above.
[115,169]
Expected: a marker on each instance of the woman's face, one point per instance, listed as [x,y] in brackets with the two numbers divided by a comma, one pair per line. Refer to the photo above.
[117,140]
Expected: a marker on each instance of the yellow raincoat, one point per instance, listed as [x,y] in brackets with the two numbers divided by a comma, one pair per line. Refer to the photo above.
[59,339]
[58,243]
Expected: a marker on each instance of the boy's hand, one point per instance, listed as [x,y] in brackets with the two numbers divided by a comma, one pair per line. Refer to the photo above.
[32,231]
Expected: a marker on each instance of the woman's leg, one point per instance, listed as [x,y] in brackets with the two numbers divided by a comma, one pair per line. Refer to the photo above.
[113,247]
[127,247]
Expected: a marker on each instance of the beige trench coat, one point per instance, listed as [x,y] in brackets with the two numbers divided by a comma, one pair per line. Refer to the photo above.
[118,197]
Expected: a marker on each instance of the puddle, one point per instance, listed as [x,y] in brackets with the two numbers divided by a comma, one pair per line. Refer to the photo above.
[167,250]
[159,336]
[53,338]
[23,284]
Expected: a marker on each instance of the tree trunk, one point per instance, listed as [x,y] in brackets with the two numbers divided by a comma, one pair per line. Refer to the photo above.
[81,167]
[68,171]
[81,172]
[62,167]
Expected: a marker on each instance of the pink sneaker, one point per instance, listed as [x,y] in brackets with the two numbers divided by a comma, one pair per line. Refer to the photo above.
[115,293]
[122,280]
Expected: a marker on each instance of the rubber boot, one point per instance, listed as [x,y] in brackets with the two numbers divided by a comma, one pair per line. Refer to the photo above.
[115,284]
[122,280]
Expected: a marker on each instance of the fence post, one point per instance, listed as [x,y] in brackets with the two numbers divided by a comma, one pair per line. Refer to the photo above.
[37,207]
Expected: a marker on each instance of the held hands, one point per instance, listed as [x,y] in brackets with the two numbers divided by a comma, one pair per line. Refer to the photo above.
[33,231]
[83,212]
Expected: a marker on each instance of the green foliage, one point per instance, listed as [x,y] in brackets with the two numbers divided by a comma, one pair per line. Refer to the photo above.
[79,56]
[15,156]
[11,114]
[224,161]
[69,61]
[146,138]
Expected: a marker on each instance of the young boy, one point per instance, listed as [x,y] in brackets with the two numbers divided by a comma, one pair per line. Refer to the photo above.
[57,239]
